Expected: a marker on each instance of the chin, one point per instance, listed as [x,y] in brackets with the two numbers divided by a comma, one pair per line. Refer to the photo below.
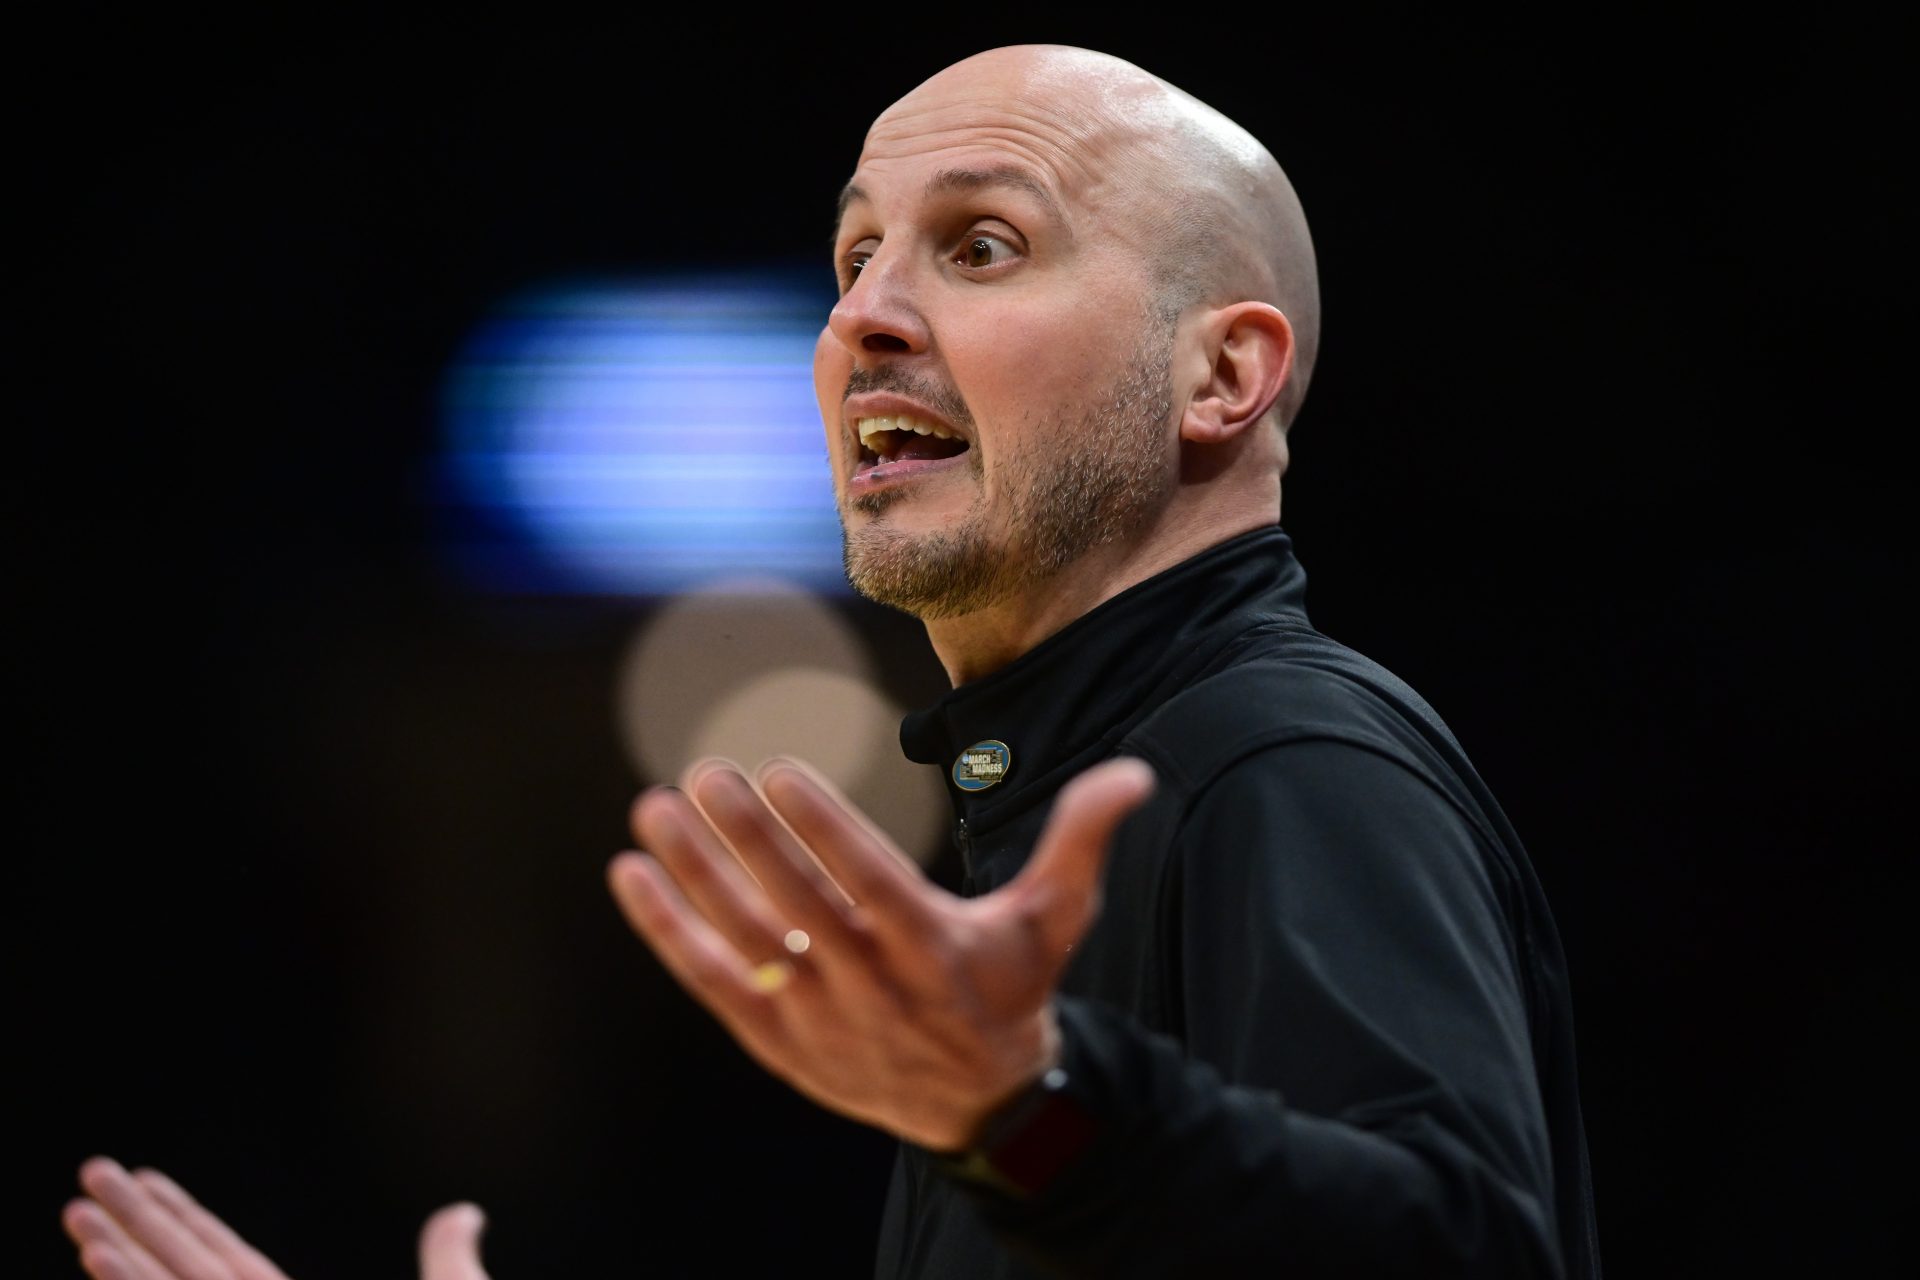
[943,572]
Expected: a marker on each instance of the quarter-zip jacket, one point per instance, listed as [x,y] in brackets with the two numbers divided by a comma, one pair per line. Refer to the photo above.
[1323,1019]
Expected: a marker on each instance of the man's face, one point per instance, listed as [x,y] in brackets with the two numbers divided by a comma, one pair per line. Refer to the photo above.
[997,345]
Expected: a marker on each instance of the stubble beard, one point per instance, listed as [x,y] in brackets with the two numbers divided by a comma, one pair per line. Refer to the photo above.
[1073,486]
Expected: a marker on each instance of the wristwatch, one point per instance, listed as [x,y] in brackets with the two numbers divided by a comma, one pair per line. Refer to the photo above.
[1029,1141]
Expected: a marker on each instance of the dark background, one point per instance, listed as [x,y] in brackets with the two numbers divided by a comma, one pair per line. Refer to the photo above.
[1600,457]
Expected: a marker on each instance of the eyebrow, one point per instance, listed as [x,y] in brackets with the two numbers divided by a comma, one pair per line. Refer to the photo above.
[949,181]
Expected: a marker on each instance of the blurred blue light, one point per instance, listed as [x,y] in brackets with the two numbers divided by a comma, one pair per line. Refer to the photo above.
[643,437]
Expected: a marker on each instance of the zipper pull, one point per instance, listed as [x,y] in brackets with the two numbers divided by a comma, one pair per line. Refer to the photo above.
[964,843]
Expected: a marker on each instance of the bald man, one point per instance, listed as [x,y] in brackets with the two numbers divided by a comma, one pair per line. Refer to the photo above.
[1249,974]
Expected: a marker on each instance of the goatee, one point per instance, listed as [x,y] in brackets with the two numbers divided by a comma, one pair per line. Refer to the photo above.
[1074,486]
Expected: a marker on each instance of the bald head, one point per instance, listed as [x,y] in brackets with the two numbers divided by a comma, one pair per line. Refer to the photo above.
[1208,207]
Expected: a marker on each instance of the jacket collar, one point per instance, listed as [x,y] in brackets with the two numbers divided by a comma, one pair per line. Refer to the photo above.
[1064,703]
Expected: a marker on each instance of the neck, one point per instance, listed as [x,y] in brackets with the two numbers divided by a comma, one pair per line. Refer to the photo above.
[973,645]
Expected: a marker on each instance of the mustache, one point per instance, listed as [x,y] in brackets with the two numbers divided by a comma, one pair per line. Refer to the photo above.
[943,400]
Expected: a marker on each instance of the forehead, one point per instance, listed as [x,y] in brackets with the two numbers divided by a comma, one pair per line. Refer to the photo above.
[1059,149]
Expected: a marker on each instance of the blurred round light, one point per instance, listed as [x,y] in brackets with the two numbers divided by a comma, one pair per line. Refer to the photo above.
[640,438]
[696,651]
[751,670]
[834,722]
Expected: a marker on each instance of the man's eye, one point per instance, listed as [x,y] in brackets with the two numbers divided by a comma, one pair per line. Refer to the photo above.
[984,251]
[853,260]
[851,269]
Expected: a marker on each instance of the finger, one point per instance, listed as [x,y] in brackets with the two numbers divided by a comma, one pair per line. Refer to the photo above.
[897,903]
[875,837]
[248,1263]
[715,884]
[106,1262]
[147,1222]
[801,892]
[106,1251]
[697,957]
[450,1244]
[1060,885]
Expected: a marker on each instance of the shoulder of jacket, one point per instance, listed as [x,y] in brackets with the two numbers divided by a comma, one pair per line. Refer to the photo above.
[1269,701]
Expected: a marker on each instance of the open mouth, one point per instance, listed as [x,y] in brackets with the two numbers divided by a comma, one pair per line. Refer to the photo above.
[888,441]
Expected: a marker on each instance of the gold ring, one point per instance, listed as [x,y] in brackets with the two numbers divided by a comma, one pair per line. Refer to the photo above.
[770,977]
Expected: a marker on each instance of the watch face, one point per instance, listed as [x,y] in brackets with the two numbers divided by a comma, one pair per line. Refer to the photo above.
[1031,1141]
[982,765]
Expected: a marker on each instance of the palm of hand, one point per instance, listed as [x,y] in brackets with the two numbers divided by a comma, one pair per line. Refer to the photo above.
[910,1009]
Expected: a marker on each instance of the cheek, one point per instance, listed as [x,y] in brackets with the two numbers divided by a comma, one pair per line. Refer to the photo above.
[1027,364]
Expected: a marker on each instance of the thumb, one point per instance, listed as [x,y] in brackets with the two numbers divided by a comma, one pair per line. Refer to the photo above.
[450,1244]
[1060,885]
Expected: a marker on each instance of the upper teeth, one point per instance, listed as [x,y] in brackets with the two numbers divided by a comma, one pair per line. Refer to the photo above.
[871,427]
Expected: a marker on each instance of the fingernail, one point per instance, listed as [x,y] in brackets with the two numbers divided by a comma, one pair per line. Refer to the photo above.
[99,1167]
[781,767]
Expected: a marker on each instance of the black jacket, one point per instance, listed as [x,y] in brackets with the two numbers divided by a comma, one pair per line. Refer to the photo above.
[1323,1020]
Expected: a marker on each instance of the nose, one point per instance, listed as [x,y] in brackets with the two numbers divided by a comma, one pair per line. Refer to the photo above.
[879,314]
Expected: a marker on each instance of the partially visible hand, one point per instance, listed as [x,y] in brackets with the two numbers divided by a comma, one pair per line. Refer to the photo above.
[910,1009]
[142,1226]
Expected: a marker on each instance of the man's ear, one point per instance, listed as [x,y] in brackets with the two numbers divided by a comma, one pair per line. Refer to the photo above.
[1250,349]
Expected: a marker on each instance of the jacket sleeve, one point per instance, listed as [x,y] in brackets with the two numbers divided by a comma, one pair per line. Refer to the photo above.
[1356,1092]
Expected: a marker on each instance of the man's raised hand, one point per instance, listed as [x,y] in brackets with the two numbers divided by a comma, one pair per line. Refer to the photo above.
[839,967]
[143,1226]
